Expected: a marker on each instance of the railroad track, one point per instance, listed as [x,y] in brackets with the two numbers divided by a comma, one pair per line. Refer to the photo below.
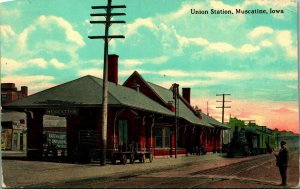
[236,168]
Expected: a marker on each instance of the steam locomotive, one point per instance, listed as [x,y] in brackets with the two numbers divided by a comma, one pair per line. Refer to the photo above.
[251,140]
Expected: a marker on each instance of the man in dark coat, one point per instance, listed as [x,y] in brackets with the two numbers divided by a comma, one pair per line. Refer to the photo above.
[282,162]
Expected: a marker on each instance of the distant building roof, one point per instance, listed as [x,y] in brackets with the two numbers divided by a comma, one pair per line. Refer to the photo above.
[184,111]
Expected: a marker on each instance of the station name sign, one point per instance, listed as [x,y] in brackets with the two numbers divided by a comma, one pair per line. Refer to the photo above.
[62,111]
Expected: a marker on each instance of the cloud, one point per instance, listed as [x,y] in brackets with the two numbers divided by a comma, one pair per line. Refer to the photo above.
[266,43]
[221,47]
[132,62]
[273,114]
[70,33]
[141,61]
[94,72]
[284,39]
[35,83]
[248,48]
[173,73]
[225,75]
[184,10]
[268,4]
[286,76]
[8,66]
[3,1]
[40,62]
[220,5]
[6,32]
[46,22]
[132,28]
[260,31]
[283,110]
[57,64]
[157,60]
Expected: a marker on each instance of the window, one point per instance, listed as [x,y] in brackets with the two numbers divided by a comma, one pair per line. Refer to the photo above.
[3,97]
[162,137]
[123,132]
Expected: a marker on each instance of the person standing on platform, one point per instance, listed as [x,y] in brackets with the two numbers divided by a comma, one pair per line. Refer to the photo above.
[282,162]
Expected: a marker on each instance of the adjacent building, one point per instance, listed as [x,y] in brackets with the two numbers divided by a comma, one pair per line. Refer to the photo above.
[13,124]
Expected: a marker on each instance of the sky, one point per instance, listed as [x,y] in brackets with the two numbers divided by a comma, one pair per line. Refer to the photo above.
[253,57]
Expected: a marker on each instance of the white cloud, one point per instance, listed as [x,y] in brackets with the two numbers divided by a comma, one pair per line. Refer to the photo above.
[35,83]
[157,60]
[259,31]
[127,73]
[6,32]
[173,73]
[284,39]
[93,72]
[57,64]
[8,66]
[184,10]
[224,75]
[220,5]
[248,48]
[266,43]
[70,33]
[271,3]
[140,22]
[132,62]
[221,47]
[45,22]
[24,35]
[40,62]
[286,76]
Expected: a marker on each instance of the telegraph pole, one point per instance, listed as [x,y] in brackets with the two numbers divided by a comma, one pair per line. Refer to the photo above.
[223,104]
[108,15]
[175,88]
[223,107]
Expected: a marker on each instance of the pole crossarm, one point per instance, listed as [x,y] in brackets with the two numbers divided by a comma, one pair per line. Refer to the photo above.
[111,14]
[112,7]
[108,22]
[224,107]
[110,36]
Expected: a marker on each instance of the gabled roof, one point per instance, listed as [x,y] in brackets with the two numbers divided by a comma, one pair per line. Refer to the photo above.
[87,92]
[214,122]
[183,111]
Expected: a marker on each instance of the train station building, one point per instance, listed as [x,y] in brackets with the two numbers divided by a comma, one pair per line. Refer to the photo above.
[140,114]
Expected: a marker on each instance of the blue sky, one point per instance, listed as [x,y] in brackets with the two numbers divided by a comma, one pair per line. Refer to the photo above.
[253,57]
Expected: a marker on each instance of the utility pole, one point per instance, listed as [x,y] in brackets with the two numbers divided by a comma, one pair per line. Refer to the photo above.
[108,15]
[207,108]
[223,104]
[175,88]
[223,107]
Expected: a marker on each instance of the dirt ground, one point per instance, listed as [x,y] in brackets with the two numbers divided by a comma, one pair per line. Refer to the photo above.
[162,173]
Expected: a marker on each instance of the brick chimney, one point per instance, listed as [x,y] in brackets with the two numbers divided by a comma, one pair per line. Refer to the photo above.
[113,68]
[186,94]
[24,90]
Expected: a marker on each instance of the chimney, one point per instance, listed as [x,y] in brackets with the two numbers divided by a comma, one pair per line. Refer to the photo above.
[24,90]
[136,86]
[186,94]
[113,68]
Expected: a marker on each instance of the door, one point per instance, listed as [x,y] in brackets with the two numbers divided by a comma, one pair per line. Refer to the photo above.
[123,134]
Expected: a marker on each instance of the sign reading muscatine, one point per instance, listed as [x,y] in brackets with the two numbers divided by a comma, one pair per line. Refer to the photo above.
[62,111]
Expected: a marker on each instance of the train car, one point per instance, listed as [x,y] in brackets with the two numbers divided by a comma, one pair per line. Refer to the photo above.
[251,140]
